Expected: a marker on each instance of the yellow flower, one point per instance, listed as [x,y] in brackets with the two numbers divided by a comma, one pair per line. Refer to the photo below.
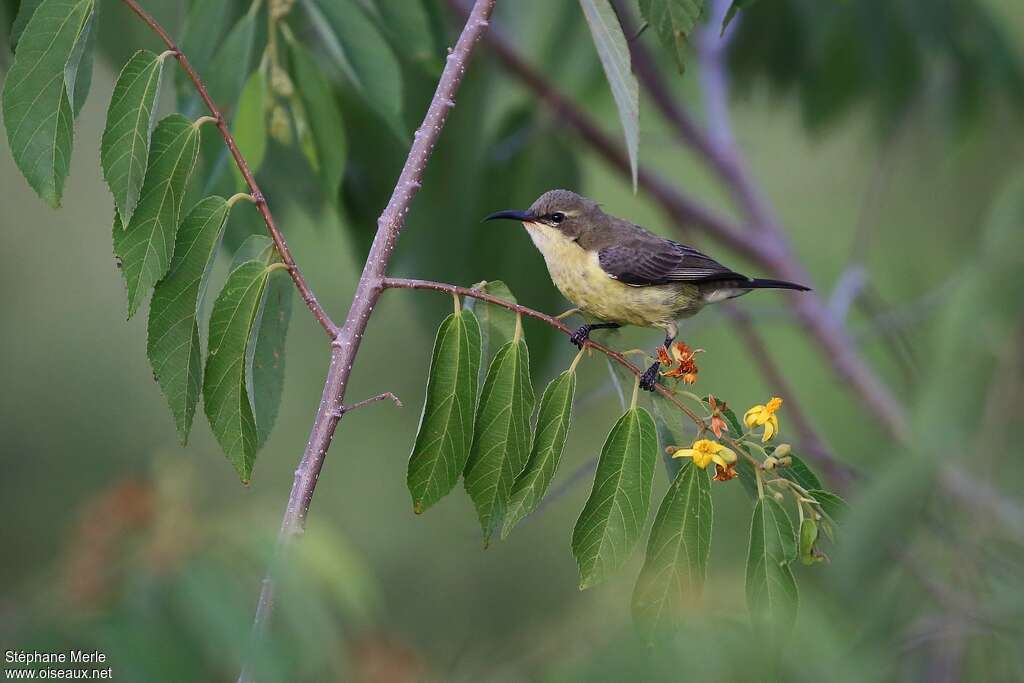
[704,452]
[764,415]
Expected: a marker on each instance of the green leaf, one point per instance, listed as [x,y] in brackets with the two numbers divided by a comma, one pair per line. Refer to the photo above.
[831,504]
[323,117]
[202,34]
[250,125]
[671,431]
[548,441]
[497,324]
[735,7]
[677,552]
[613,518]
[613,50]
[408,25]
[173,346]
[446,425]
[225,383]
[232,63]
[146,244]
[267,361]
[25,11]
[124,150]
[673,21]
[37,102]
[360,52]
[799,473]
[501,439]
[772,596]
[78,72]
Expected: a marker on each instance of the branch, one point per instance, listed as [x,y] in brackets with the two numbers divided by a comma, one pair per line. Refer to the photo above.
[407,283]
[257,195]
[346,343]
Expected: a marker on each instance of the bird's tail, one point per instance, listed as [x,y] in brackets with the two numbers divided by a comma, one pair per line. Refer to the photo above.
[759,283]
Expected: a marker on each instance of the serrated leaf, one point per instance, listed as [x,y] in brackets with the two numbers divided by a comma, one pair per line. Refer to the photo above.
[548,441]
[772,596]
[173,346]
[445,431]
[497,324]
[358,49]
[267,360]
[124,150]
[671,431]
[613,51]
[324,118]
[37,99]
[735,7]
[250,125]
[673,21]
[146,244]
[226,397]
[501,437]
[799,473]
[613,518]
[677,552]
[831,504]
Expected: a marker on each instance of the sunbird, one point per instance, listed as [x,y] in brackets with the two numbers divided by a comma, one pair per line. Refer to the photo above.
[621,274]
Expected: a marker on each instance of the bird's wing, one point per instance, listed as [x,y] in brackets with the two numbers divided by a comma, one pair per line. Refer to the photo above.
[657,261]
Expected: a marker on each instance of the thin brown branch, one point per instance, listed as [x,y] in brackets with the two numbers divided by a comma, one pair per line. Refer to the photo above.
[258,198]
[407,283]
[346,343]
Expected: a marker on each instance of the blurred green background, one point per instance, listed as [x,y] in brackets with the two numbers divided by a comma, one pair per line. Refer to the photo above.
[887,135]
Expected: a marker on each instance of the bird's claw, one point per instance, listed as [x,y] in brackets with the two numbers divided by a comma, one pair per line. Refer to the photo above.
[580,336]
[649,380]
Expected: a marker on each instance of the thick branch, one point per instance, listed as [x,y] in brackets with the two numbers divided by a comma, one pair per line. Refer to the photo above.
[346,342]
[261,203]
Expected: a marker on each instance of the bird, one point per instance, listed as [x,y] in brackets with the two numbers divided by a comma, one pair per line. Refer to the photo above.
[622,274]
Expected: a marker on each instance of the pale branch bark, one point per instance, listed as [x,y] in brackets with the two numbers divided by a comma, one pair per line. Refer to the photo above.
[345,344]
[770,251]
[257,195]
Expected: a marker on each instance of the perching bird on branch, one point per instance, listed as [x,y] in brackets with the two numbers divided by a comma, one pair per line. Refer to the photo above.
[622,274]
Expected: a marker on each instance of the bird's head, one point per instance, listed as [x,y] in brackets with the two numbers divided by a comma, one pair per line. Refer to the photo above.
[566,213]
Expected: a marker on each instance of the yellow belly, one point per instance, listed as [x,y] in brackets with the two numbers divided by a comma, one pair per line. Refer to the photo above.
[580,279]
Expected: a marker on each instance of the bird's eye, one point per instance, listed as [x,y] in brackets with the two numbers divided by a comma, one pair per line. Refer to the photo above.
[557,217]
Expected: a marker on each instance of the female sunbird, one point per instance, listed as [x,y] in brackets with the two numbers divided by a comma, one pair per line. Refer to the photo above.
[622,274]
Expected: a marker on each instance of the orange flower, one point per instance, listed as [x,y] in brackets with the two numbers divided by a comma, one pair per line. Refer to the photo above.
[725,473]
[683,360]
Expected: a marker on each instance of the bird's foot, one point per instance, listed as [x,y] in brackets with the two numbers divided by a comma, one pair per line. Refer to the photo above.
[580,336]
[649,380]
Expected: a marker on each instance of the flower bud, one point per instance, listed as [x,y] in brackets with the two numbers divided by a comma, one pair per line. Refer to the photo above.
[770,462]
[280,127]
[786,461]
[778,496]
[782,450]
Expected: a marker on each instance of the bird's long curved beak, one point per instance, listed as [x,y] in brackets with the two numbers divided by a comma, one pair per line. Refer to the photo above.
[511,214]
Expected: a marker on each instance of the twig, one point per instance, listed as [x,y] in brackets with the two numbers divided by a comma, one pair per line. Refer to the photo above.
[261,203]
[407,283]
[371,283]
[349,407]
